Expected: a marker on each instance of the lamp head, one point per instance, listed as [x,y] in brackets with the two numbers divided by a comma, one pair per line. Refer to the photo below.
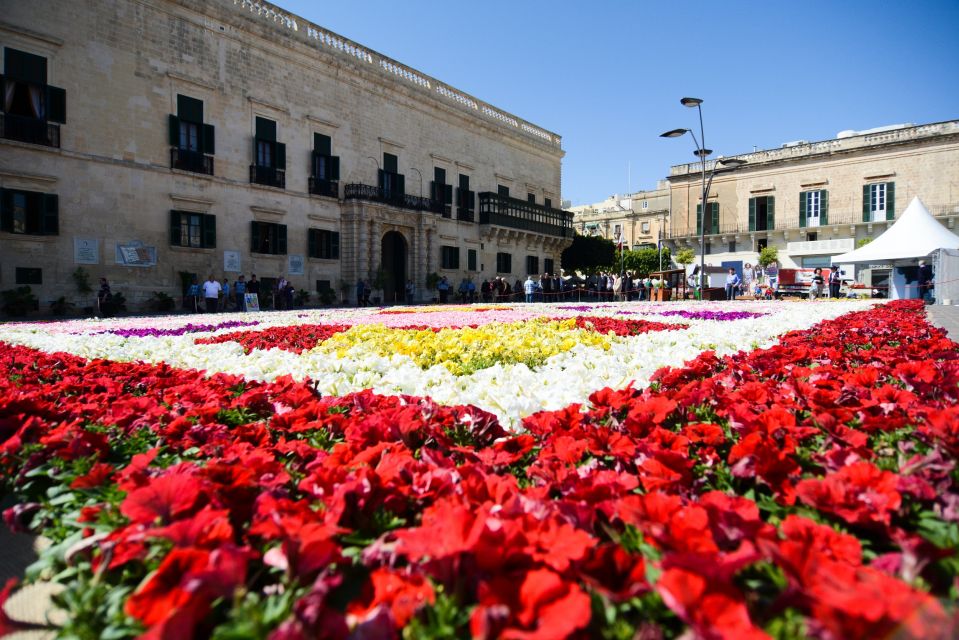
[690,102]
[675,133]
[732,162]
[702,153]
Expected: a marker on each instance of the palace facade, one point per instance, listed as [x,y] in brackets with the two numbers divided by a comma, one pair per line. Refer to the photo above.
[148,141]
[639,219]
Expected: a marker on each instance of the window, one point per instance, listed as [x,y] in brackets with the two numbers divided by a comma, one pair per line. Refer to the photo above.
[32,109]
[471,259]
[189,229]
[29,275]
[732,246]
[465,200]
[879,202]
[548,203]
[29,212]
[323,244]
[762,213]
[191,141]
[324,180]
[441,193]
[392,182]
[449,257]
[645,204]
[269,156]
[502,190]
[811,262]
[504,263]
[531,198]
[645,227]
[708,249]
[813,208]
[617,232]
[712,218]
[323,286]
[761,244]
[532,264]
[268,237]
[548,265]
[812,236]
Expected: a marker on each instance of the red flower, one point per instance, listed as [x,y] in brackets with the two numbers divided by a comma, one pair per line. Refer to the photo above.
[859,493]
[402,592]
[165,498]
[715,609]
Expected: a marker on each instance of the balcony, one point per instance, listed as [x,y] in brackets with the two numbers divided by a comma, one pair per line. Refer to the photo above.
[32,130]
[268,176]
[328,188]
[356,191]
[464,215]
[187,160]
[513,213]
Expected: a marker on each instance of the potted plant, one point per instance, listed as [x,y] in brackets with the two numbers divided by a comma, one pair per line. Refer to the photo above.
[378,283]
[432,280]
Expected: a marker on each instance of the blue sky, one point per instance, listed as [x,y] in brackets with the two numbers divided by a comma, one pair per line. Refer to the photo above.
[608,75]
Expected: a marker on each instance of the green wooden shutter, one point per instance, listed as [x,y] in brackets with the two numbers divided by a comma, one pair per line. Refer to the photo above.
[50,222]
[448,194]
[752,214]
[865,203]
[6,210]
[770,213]
[823,207]
[322,144]
[802,208]
[56,105]
[189,109]
[256,155]
[312,243]
[209,231]
[381,178]
[174,132]
[174,228]
[335,245]
[209,144]
[334,168]
[254,236]
[266,129]
[699,219]
[281,239]
[281,156]
[400,185]
[890,201]
[390,163]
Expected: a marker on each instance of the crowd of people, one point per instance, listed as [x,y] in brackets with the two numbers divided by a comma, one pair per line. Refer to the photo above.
[212,296]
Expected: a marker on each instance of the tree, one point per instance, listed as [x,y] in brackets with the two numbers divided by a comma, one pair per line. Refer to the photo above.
[685,256]
[644,261]
[862,242]
[768,256]
[588,253]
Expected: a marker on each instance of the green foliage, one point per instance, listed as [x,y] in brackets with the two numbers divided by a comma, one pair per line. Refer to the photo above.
[61,306]
[162,302]
[380,279]
[588,254]
[114,304]
[302,298]
[768,256]
[82,279]
[432,280]
[19,301]
[862,242]
[685,256]
[444,619]
[644,261]
[327,296]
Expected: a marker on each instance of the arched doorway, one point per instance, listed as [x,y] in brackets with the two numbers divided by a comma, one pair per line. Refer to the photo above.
[394,263]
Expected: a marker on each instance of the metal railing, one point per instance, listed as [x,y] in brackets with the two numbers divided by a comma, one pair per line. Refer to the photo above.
[187,160]
[514,213]
[268,176]
[32,130]
[358,191]
[329,188]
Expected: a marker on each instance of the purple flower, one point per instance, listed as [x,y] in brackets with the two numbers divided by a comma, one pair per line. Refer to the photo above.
[713,315]
[149,332]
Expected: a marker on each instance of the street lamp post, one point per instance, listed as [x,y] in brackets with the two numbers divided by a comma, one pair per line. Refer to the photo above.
[702,153]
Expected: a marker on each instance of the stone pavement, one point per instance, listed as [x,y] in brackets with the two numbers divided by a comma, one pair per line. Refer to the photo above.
[945,317]
[30,604]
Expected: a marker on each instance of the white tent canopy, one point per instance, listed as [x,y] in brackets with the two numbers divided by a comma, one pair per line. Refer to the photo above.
[915,235]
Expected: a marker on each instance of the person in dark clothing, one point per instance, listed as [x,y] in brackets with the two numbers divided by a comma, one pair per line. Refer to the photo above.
[834,283]
[925,281]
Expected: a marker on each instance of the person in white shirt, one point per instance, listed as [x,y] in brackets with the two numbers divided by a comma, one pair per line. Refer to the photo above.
[211,293]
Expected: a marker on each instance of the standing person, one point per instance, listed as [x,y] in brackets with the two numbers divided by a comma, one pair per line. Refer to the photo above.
[444,288]
[748,276]
[360,287]
[732,284]
[253,286]
[211,293]
[410,291]
[925,281]
[486,290]
[239,290]
[471,290]
[193,296]
[226,294]
[288,292]
[835,280]
[529,288]
[103,297]
[279,296]
[367,292]
[817,285]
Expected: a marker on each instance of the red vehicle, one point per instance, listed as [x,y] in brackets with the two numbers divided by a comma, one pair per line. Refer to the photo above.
[796,282]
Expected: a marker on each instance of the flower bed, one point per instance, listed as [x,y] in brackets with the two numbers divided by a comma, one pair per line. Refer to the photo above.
[804,489]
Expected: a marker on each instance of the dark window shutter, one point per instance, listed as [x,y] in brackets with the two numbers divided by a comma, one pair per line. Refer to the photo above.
[823,207]
[699,219]
[56,105]
[714,216]
[189,109]
[174,228]
[802,208]
[439,175]
[209,145]
[281,156]
[400,184]
[255,236]
[174,134]
[322,145]
[435,190]
[312,243]
[24,66]
[209,231]
[502,190]
[865,203]
[266,129]
[389,163]
[547,203]
[448,194]
[381,178]
[890,201]
[464,182]
[281,239]
[50,223]
[770,213]
[752,214]
[335,245]
[334,168]
[6,210]
[256,151]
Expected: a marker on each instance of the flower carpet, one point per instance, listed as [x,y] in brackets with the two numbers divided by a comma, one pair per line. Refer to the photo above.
[533,471]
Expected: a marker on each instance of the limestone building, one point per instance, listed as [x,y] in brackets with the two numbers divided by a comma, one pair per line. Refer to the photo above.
[640,219]
[151,140]
[816,200]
